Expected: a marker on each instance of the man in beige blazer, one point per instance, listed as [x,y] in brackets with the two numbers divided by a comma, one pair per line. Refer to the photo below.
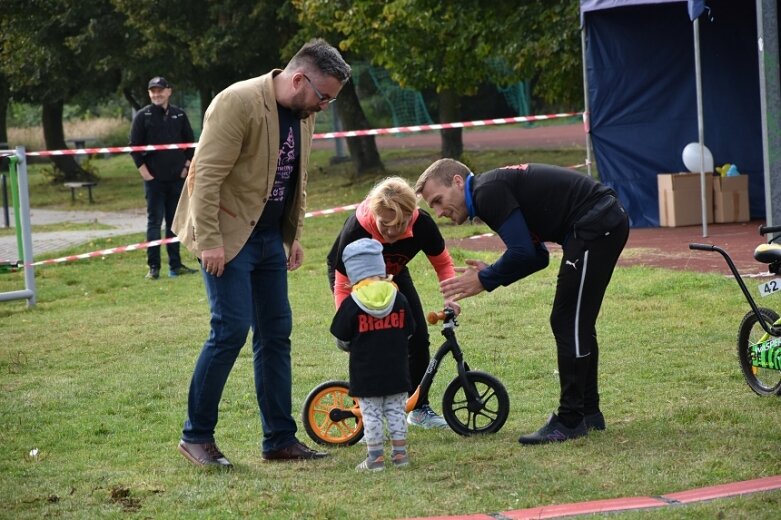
[241,214]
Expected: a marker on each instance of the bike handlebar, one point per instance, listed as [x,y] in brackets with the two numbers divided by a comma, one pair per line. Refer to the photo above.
[435,316]
[736,274]
[764,230]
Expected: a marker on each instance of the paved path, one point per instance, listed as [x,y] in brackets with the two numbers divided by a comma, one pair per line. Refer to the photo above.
[45,242]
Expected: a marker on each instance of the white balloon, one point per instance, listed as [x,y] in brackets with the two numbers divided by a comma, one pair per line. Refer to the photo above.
[691,158]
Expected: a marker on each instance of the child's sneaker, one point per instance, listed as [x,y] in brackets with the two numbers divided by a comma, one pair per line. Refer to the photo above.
[369,464]
[400,460]
[426,418]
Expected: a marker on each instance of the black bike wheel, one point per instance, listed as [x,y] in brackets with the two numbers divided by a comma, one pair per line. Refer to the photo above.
[763,381]
[488,415]
[318,419]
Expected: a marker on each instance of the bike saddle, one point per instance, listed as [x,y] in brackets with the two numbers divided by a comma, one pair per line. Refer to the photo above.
[768,253]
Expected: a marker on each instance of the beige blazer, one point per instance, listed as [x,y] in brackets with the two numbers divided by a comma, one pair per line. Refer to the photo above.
[232,173]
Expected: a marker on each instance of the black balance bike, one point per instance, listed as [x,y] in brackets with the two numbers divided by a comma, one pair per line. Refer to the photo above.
[759,335]
[473,403]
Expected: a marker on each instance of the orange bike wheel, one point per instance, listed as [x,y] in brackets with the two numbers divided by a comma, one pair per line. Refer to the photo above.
[323,403]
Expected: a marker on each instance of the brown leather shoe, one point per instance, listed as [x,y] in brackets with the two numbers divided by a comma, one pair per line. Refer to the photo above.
[295,451]
[207,454]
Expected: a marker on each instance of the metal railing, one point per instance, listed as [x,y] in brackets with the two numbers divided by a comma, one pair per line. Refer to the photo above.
[20,195]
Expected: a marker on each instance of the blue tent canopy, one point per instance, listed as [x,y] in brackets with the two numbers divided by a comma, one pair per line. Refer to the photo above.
[642,101]
[695,7]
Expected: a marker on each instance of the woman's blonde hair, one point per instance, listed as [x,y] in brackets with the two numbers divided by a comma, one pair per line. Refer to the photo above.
[394,194]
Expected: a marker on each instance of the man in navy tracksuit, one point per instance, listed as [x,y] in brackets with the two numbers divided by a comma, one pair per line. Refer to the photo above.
[527,205]
[163,171]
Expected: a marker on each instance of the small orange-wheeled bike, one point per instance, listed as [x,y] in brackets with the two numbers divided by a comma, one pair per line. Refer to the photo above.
[473,403]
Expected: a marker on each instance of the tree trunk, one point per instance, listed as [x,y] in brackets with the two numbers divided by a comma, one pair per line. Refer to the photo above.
[131,99]
[54,136]
[363,150]
[5,97]
[205,95]
[452,138]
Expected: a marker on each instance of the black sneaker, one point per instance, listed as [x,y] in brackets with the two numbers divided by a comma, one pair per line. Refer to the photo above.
[595,421]
[178,271]
[153,274]
[554,431]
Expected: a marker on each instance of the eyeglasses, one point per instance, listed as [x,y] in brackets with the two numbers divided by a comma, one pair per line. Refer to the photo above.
[320,96]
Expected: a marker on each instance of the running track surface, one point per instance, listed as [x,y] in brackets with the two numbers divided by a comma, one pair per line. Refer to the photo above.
[511,137]
[629,503]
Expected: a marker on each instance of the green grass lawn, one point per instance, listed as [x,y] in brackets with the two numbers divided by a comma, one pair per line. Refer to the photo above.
[95,378]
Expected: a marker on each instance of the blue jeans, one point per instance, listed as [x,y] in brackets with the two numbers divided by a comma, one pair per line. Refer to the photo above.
[161,200]
[251,293]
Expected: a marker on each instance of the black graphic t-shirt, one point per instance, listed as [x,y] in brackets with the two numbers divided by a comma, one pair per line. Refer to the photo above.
[287,166]
[425,237]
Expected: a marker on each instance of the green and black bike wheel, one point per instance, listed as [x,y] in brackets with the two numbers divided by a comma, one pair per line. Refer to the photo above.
[763,381]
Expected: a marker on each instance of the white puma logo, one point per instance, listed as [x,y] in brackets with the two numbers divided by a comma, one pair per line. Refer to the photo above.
[573,264]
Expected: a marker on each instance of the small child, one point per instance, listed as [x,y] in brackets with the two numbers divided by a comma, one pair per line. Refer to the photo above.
[374,325]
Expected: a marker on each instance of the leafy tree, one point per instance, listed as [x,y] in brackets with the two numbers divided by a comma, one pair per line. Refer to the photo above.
[363,149]
[452,47]
[425,44]
[204,44]
[53,51]
[546,50]
[5,98]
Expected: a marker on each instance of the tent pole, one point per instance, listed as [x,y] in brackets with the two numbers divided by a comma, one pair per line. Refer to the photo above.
[700,125]
[770,103]
[586,123]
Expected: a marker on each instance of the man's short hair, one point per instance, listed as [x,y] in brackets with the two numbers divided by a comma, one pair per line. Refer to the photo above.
[320,55]
[443,172]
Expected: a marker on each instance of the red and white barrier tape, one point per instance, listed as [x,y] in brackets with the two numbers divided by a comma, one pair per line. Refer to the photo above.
[329,135]
[153,243]
[331,211]
[106,252]
[443,126]
[113,149]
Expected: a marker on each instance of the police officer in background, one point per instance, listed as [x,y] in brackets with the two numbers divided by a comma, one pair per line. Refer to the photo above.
[163,171]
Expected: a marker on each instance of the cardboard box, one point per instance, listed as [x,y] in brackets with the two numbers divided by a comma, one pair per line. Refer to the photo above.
[730,199]
[680,199]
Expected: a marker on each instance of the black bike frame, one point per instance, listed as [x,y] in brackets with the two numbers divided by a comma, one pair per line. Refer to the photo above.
[771,329]
[450,346]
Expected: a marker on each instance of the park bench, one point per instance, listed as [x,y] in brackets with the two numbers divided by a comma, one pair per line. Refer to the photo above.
[76,185]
